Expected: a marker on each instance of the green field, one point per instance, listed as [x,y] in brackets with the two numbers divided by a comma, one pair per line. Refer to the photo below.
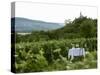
[53,55]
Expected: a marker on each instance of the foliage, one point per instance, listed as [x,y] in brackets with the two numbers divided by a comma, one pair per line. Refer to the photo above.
[52,55]
[48,50]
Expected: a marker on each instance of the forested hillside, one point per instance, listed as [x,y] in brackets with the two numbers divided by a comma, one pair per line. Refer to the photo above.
[80,27]
[23,25]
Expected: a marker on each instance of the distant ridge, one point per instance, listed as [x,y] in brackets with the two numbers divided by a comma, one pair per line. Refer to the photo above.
[28,25]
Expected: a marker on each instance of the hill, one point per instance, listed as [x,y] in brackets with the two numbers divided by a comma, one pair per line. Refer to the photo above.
[28,25]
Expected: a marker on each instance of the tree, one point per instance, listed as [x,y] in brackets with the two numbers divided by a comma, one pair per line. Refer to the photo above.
[87,28]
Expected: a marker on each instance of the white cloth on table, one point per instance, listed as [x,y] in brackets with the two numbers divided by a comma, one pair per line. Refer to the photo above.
[76,52]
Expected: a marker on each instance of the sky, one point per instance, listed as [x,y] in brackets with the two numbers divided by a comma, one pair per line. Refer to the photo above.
[53,12]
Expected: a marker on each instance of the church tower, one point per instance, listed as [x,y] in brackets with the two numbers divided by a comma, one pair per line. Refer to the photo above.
[81,16]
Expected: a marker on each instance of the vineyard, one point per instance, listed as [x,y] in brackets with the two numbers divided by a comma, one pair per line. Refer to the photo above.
[41,51]
[52,55]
